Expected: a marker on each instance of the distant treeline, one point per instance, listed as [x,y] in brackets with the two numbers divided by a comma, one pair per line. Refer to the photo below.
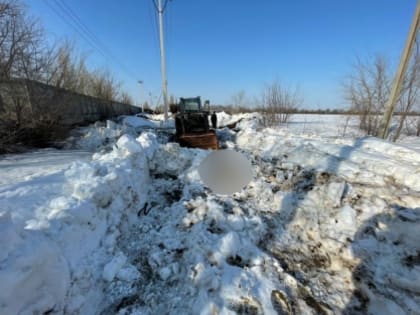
[245,109]
[234,110]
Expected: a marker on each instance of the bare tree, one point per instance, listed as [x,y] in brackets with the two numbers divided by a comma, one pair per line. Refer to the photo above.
[367,90]
[412,125]
[21,40]
[63,72]
[104,86]
[25,57]
[239,99]
[126,98]
[22,55]
[26,60]
[346,124]
[69,71]
[279,103]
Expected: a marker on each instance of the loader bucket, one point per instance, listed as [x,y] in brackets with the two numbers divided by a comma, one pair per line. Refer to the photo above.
[202,141]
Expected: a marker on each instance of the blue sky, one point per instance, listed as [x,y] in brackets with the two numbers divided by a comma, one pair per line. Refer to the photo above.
[216,48]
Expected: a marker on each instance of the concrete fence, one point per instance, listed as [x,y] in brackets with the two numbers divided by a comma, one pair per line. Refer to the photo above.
[25,99]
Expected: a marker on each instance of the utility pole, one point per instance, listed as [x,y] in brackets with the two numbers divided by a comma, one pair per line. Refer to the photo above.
[141,94]
[160,10]
[399,76]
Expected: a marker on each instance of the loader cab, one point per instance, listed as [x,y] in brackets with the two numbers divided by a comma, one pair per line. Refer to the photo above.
[190,105]
[191,117]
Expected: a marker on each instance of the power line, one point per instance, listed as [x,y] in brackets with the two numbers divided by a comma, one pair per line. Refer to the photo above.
[62,17]
[95,39]
[65,17]
[70,13]
[75,22]
[167,34]
[153,21]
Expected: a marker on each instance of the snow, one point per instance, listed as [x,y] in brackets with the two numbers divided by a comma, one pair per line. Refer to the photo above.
[328,224]
[36,276]
[114,266]
[63,222]
[224,119]
[40,163]
[136,122]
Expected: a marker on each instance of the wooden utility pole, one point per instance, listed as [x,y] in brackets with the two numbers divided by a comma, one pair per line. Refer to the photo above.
[399,76]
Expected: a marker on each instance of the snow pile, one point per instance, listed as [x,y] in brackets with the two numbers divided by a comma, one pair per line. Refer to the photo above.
[368,160]
[73,234]
[35,276]
[160,118]
[138,122]
[249,119]
[342,227]
[320,230]
[224,119]
[326,226]
[97,136]
[100,137]
[190,243]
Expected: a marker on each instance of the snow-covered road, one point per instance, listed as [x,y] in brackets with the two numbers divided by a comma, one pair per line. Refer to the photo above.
[328,225]
[24,167]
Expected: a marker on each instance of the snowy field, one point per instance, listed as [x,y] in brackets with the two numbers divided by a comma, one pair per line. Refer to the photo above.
[122,224]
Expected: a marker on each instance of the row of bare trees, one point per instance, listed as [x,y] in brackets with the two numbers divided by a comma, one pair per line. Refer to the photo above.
[68,70]
[367,90]
[276,104]
[25,54]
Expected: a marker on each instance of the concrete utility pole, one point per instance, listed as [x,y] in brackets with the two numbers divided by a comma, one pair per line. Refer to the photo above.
[162,59]
[399,76]
[141,94]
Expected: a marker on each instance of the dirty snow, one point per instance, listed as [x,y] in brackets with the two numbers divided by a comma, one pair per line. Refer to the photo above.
[329,224]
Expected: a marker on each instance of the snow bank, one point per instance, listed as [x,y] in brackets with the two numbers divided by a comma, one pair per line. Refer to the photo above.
[170,122]
[102,137]
[243,120]
[223,118]
[344,210]
[34,275]
[138,122]
[54,252]
[368,160]
[326,226]
[96,136]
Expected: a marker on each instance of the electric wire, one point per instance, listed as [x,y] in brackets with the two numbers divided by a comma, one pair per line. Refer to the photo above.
[168,39]
[75,22]
[154,25]
[153,21]
[79,22]
[82,26]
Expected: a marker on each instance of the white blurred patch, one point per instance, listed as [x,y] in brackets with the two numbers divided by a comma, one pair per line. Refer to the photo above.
[225,171]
